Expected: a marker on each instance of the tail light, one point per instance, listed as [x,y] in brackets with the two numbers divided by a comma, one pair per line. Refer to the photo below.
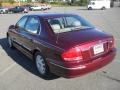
[72,54]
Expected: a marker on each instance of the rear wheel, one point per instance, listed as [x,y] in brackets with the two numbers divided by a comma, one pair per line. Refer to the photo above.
[41,65]
[2,12]
[103,8]
[90,8]
[10,12]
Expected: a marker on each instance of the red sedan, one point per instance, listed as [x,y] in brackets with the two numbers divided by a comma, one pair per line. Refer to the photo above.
[64,44]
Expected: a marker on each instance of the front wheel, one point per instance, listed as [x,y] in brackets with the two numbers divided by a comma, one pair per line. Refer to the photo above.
[10,42]
[41,65]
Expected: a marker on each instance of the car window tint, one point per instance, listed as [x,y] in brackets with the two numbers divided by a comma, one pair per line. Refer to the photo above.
[68,23]
[32,25]
[21,22]
[71,21]
[57,23]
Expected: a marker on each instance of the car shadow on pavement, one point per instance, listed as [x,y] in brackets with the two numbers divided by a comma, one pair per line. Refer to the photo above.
[22,60]
[84,9]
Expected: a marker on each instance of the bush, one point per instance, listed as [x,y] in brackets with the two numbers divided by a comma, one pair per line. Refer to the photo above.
[11,1]
[80,3]
[8,1]
[28,1]
[59,4]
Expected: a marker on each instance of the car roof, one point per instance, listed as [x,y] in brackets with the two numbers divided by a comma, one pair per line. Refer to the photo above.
[49,14]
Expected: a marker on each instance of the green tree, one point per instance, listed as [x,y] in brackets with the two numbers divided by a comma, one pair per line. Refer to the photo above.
[11,1]
[0,2]
[42,1]
[28,1]
[83,2]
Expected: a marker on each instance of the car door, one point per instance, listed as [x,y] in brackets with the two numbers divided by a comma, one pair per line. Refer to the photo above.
[15,9]
[31,33]
[18,32]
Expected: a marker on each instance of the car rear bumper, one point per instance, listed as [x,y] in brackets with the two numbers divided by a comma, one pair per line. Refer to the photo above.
[82,69]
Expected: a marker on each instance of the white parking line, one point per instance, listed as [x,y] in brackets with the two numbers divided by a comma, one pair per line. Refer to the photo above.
[7,69]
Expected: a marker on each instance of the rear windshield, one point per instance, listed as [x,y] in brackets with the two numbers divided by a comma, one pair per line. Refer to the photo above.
[68,23]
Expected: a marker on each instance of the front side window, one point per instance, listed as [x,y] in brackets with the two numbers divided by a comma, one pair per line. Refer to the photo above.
[21,22]
[32,25]
[92,3]
[68,23]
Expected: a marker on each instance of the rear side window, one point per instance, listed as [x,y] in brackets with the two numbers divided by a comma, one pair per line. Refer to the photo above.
[21,22]
[33,25]
[57,21]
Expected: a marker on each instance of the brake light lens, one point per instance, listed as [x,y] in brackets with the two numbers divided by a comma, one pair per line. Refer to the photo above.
[72,54]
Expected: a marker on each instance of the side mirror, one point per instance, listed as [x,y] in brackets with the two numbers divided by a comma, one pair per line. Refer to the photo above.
[12,27]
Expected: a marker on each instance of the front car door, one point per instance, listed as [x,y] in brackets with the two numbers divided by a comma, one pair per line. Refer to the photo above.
[17,34]
[31,33]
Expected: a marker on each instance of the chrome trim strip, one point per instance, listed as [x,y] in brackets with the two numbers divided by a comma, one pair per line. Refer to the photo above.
[47,45]
[17,42]
[80,67]
[27,48]
[22,45]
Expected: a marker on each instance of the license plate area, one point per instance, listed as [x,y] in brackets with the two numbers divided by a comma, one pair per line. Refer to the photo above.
[98,48]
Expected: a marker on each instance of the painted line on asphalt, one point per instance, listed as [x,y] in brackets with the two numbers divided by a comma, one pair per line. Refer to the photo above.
[7,69]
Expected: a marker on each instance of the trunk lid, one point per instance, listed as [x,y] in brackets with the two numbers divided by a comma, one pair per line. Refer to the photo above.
[93,43]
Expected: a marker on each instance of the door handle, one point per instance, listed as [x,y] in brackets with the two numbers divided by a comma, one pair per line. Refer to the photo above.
[23,36]
[14,38]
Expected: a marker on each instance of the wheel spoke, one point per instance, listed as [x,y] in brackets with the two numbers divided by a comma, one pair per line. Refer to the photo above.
[9,41]
[40,64]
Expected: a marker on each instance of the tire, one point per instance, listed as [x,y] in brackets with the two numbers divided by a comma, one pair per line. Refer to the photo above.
[10,42]
[41,65]
[11,12]
[103,8]
[90,8]
[2,12]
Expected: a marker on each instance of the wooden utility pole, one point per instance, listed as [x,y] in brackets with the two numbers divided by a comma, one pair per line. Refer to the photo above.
[19,2]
